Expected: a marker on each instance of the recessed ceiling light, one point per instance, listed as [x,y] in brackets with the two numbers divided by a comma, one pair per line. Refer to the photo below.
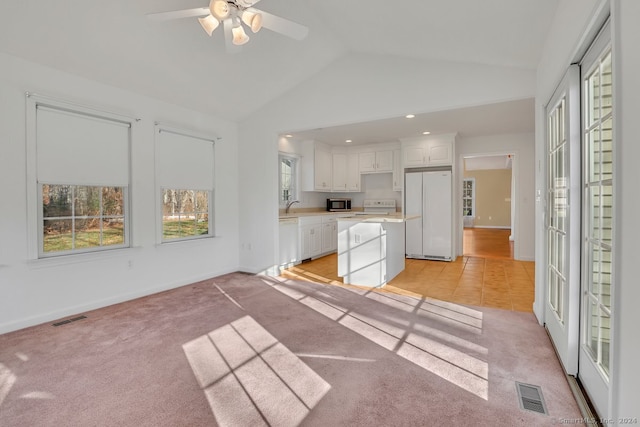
[410,116]
[426,132]
[288,135]
[348,141]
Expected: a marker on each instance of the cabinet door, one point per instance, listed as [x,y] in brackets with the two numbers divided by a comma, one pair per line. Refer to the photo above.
[339,177]
[384,161]
[322,168]
[305,242]
[397,171]
[315,240]
[334,236]
[367,162]
[353,173]
[414,155]
[327,232]
[439,152]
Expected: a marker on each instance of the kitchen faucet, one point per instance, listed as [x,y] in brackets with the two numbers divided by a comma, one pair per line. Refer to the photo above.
[286,211]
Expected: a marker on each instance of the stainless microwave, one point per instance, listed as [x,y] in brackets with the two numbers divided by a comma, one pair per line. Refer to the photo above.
[338,205]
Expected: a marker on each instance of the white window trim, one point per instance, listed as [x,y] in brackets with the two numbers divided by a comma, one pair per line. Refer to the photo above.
[190,133]
[34,207]
[296,177]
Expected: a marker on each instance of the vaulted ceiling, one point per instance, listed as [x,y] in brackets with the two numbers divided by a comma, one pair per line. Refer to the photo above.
[115,43]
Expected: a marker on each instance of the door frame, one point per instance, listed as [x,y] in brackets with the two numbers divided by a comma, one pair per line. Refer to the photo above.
[565,333]
[515,192]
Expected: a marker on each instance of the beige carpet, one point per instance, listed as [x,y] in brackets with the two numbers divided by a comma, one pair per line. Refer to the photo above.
[242,350]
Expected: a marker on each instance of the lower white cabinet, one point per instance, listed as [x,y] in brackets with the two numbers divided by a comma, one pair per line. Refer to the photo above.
[310,237]
[329,234]
[318,235]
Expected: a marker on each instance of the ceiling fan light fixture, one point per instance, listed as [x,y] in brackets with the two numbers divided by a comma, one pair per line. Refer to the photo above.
[209,24]
[239,36]
[253,20]
[219,9]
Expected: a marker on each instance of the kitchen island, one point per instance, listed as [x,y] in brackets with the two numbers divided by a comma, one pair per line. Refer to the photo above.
[371,248]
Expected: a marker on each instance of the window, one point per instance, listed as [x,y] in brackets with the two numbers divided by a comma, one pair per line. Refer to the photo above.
[78,170]
[288,178]
[468,197]
[185,175]
[185,213]
[81,217]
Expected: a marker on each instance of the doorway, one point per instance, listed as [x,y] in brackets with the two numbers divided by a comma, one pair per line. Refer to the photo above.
[488,206]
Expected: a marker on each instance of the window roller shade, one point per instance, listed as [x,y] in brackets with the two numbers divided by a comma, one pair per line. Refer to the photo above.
[75,148]
[184,162]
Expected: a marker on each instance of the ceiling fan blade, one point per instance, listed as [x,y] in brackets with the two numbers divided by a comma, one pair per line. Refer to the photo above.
[246,3]
[281,25]
[228,37]
[178,14]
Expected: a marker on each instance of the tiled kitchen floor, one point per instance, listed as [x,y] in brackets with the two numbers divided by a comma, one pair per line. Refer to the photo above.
[488,281]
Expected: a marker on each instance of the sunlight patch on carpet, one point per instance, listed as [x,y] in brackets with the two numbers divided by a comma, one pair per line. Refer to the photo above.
[409,341]
[250,378]
[7,379]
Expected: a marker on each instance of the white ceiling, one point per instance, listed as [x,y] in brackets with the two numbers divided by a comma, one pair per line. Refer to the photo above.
[115,43]
[492,119]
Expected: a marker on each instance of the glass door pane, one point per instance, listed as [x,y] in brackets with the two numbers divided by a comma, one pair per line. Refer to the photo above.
[556,209]
[598,209]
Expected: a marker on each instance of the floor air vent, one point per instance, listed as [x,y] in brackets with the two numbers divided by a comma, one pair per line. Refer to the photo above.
[530,398]
[64,322]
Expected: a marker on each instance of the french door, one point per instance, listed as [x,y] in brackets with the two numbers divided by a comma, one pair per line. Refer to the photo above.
[597,256]
[563,219]
[579,220]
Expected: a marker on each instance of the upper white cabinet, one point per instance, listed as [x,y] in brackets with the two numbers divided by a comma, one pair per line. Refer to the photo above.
[339,175]
[398,176]
[428,151]
[322,169]
[353,173]
[378,161]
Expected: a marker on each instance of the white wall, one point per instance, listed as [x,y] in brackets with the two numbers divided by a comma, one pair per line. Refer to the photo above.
[35,291]
[574,26]
[626,353]
[522,145]
[353,89]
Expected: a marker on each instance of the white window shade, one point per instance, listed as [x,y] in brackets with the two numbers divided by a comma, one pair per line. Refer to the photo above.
[74,148]
[184,162]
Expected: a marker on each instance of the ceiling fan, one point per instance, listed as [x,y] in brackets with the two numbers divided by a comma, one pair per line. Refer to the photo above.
[232,14]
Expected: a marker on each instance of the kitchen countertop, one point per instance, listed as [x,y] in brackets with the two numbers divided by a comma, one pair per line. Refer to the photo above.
[318,213]
[376,218]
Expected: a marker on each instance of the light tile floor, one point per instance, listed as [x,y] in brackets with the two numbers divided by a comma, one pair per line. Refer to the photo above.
[487,282]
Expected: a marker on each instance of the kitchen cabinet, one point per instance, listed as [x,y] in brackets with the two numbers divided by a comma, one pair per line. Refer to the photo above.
[339,172]
[353,173]
[428,151]
[378,161]
[398,176]
[289,254]
[329,234]
[322,170]
[310,237]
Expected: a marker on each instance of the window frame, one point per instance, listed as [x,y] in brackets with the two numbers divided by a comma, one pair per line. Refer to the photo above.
[295,178]
[73,218]
[209,211]
[35,214]
[161,187]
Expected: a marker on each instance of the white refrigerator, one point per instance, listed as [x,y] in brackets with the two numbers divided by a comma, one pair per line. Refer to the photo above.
[428,194]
